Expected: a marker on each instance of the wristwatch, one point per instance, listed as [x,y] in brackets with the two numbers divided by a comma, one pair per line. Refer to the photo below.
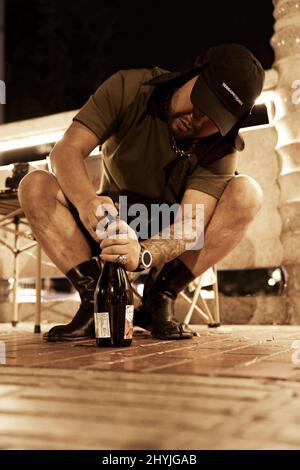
[145,259]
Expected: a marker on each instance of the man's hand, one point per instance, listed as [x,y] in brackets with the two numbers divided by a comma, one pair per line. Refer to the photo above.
[120,239]
[94,211]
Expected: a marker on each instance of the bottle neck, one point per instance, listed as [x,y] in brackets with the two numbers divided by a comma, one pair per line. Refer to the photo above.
[115,272]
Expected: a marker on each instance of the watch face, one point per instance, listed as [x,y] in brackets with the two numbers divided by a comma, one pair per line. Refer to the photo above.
[147,258]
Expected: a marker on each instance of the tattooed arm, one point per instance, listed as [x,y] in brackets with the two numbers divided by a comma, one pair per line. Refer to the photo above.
[187,232]
[169,243]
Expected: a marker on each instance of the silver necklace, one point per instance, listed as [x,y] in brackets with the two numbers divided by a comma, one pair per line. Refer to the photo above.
[180,152]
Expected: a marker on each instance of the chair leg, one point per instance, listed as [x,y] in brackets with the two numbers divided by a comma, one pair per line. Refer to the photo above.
[211,317]
[189,314]
[38,289]
[16,275]
[216,307]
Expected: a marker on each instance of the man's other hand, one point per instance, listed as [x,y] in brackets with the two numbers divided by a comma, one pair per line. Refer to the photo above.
[99,209]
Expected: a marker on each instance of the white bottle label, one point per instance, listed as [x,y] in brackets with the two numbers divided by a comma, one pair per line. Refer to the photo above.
[102,327]
[129,321]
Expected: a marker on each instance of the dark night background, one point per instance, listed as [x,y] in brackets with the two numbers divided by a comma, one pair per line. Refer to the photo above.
[58,51]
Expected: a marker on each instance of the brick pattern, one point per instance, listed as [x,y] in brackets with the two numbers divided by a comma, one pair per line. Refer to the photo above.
[229,388]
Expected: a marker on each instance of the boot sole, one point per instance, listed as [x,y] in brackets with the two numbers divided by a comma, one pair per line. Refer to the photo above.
[172,337]
[65,339]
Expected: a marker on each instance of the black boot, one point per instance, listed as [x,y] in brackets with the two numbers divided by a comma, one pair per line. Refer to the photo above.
[84,278]
[159,301]
[141,317]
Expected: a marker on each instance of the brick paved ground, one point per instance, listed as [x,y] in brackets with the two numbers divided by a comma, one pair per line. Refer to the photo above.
[229,388]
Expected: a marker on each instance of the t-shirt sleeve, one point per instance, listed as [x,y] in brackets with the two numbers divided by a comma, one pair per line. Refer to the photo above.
[101,112]
[213,178]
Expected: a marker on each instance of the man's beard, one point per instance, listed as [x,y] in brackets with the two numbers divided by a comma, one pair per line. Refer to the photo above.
[180,127]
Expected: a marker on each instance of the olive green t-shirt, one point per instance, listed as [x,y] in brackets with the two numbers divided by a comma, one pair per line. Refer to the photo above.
[137,155]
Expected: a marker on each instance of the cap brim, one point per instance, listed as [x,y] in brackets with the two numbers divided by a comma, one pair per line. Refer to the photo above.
[204,99]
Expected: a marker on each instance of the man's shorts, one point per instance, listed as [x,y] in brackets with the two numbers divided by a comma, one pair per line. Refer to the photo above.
[132,198]
[95,247]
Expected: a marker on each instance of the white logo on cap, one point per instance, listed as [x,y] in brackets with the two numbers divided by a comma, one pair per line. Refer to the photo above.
[224,85]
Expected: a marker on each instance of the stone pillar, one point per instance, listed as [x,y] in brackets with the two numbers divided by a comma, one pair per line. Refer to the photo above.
[2,61]
[286,44]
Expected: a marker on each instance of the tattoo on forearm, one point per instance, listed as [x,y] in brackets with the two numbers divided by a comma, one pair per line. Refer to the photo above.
[164,250]
[176,239]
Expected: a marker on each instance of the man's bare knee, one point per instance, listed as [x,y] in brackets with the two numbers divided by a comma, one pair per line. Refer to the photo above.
[33,184]
[36,186]
[245,195]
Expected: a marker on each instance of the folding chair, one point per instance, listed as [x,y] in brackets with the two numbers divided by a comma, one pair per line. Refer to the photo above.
[212,318]
[208,278]
[11,218]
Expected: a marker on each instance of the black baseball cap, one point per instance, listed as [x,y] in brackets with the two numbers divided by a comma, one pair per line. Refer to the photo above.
[230,79]
[228,85]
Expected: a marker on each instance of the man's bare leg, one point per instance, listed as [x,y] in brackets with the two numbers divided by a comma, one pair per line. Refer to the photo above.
[51,220]
[237,207]
[60,237]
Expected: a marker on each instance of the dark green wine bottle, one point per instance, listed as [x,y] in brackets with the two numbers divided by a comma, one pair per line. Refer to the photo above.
[113,307]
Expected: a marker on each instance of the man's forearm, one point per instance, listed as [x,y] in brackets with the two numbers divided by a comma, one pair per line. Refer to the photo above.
[175,240]
[71,173]
[163,251]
